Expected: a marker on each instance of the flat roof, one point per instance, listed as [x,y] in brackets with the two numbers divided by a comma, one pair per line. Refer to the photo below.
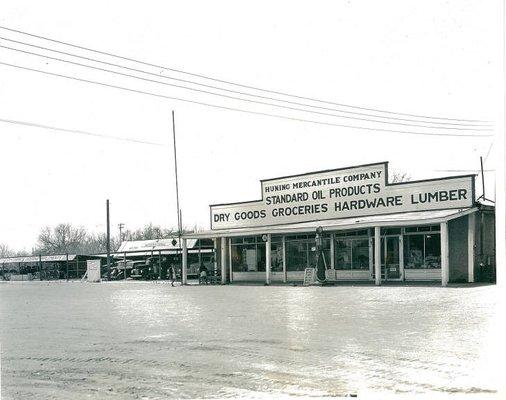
[398,219]
[27,259]
[154,244]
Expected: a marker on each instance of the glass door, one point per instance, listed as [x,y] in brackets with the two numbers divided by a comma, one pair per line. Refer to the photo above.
[390,258]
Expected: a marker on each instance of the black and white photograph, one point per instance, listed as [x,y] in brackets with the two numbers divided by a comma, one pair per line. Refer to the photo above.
[252,199]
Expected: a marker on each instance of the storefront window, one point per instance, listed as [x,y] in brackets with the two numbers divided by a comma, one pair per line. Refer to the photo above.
[342,249]
[276,254]
[296,255]
[413,251]
[433,251]
[360,254]
[351,254]
[301,252]
[248,255]
[422,251]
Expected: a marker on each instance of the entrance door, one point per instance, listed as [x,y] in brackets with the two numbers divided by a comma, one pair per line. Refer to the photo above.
[390,258]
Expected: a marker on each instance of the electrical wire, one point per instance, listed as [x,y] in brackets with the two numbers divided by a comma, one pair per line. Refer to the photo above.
[233,97]
[464,170]
[242,110]
[222,89]
[488,152]
[80,132]
[230,82]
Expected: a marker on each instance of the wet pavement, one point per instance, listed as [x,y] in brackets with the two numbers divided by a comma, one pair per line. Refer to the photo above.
[145,340]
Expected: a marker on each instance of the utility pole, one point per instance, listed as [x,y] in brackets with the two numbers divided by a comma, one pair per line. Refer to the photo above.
[483,183]
[121,225]
[108,244]
[175,172]
[177,188]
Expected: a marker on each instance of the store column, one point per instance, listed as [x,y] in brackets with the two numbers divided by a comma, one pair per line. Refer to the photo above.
[332,251]
[445,262]
[268,260]
[223,259]
[377,255]
[215,248]
[231,273]
[285,277]
[184,272]
[471,225]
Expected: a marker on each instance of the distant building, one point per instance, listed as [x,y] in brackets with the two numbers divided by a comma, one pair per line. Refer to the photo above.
[56,266]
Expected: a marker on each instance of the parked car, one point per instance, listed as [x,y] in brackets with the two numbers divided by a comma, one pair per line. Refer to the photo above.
[142,271]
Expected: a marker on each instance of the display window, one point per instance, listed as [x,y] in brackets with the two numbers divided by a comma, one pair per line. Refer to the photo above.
[422,251]
[248,254]
[351,253]
[301,252]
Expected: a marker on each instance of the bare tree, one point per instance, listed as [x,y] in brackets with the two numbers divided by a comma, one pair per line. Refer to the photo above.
[97,243]
[150,232]
[399,176]
[63,238]
[6,251]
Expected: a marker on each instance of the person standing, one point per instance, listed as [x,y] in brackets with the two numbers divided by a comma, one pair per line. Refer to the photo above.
[203,274]
[172,274]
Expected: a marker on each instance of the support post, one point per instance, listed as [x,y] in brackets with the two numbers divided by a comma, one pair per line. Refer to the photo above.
[231,273]
[377,255]
[268,260]
[223,260]
[445,262]
[215,245]
[332,251]
[159,264]
[67,265]
[40,267]
[401,256]
[371,255]
[285,275]
[184,272]
[108,241]
[471,226]
[124,265]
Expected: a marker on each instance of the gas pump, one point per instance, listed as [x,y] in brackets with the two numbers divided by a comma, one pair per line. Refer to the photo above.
[321,263]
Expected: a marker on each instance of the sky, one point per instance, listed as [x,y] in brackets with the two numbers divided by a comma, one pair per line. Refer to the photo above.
[431,58]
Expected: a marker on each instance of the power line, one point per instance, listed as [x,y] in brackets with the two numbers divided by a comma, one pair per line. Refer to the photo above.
[233,97]
[241,110]
[464,170]
[222,89]
[230,82]
[77,131]
[488,152]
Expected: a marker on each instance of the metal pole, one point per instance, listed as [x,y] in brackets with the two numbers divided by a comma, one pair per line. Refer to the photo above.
[482,179]
[175,172]
[67,265]
[159,264]
[184,260]
[120,226]
[377,255]
[40,267]
[124,265]
[180,245]
[108,244]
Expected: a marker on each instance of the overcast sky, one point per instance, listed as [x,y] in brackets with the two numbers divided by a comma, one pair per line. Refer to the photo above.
[428,58]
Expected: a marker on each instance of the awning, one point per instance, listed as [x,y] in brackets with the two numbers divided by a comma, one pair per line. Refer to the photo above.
[398,220]
[129,254]
[155,244]
[29,259]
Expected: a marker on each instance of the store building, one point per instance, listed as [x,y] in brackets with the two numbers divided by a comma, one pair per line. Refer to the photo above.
[373,230]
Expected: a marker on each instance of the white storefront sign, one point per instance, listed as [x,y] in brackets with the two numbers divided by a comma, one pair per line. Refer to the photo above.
[342,193]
